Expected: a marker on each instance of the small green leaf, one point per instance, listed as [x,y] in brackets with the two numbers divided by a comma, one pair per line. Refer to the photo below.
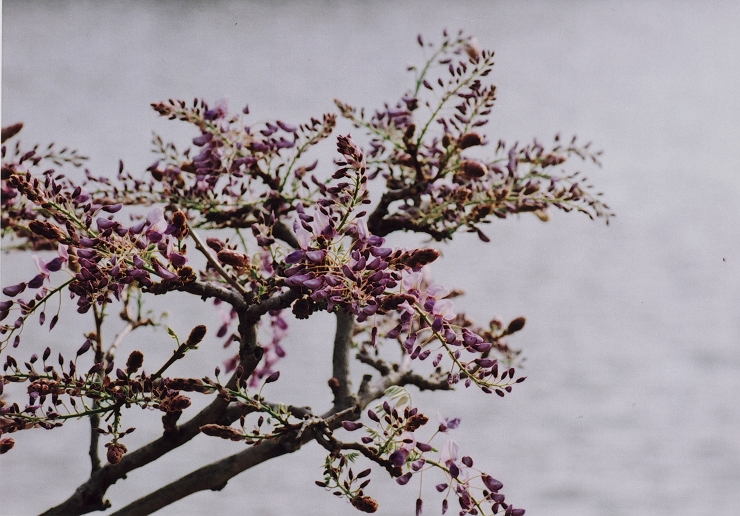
[172,334]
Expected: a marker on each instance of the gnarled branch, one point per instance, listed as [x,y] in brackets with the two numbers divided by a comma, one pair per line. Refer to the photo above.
[341,383]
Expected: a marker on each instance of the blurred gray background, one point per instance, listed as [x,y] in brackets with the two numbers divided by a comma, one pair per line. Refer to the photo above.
[633,333]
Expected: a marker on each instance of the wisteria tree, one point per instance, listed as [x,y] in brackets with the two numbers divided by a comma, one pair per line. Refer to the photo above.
[244,221]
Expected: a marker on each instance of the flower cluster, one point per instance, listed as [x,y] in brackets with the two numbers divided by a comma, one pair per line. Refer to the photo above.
[432,186]
[239,172]
[393,440]
[282,233]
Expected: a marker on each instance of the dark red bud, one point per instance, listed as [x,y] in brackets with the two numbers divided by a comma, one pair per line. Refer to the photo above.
[273,377]
[516,325]
[196,336]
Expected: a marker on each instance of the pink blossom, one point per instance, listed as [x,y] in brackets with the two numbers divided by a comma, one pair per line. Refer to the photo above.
[449,452]
[303,236]
[437,291]
[156,220]
[412,280]
[362,229]
[445,309]
[409,441]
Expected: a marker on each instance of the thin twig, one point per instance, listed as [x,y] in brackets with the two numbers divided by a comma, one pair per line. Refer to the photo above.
[214,263]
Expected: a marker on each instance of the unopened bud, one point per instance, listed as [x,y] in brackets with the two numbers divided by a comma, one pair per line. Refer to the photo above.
[233,258]
[472,48]
[364,504]
[6,444]
[516,325]
[472,169]
[470,140]
[134,362]
[196,336]
[115,453]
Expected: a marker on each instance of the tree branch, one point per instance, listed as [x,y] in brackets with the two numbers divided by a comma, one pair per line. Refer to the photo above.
[278,302]
[216,475]
[216,265]
[206,290]
[281,231]
[90,495]
[341,383]
[213,477]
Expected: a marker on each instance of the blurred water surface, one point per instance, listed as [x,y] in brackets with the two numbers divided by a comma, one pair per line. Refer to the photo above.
[632,340]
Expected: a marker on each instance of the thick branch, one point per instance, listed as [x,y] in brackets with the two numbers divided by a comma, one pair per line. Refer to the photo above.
[342,386]
[90,496]
[206,290]
[214,477]
[94,441]
[395,223]
[281,231]
[254,312]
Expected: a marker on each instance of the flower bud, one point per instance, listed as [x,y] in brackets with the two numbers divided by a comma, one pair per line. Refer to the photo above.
[116,451]
[233,258]
[364,504]
[196,336]
[273,377]
[134,362]
[516,325]
[215,244]
[470,140]
[6,444]
[14,290]
[351,426]
[472,169]
[11,130]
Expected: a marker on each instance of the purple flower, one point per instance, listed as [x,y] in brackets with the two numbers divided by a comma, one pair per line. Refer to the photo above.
[449,451]
[404,479]
[313,283]
[202,139]
[398,457]
[448,424]
[37,281]
[445,309]
[137,228]
[55,264]
[14,290]
[164,273]
[454,470]
[492,484]
[351,426]
[112,208]
[104,224]
[315,256]
[178,260]
[286,127]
